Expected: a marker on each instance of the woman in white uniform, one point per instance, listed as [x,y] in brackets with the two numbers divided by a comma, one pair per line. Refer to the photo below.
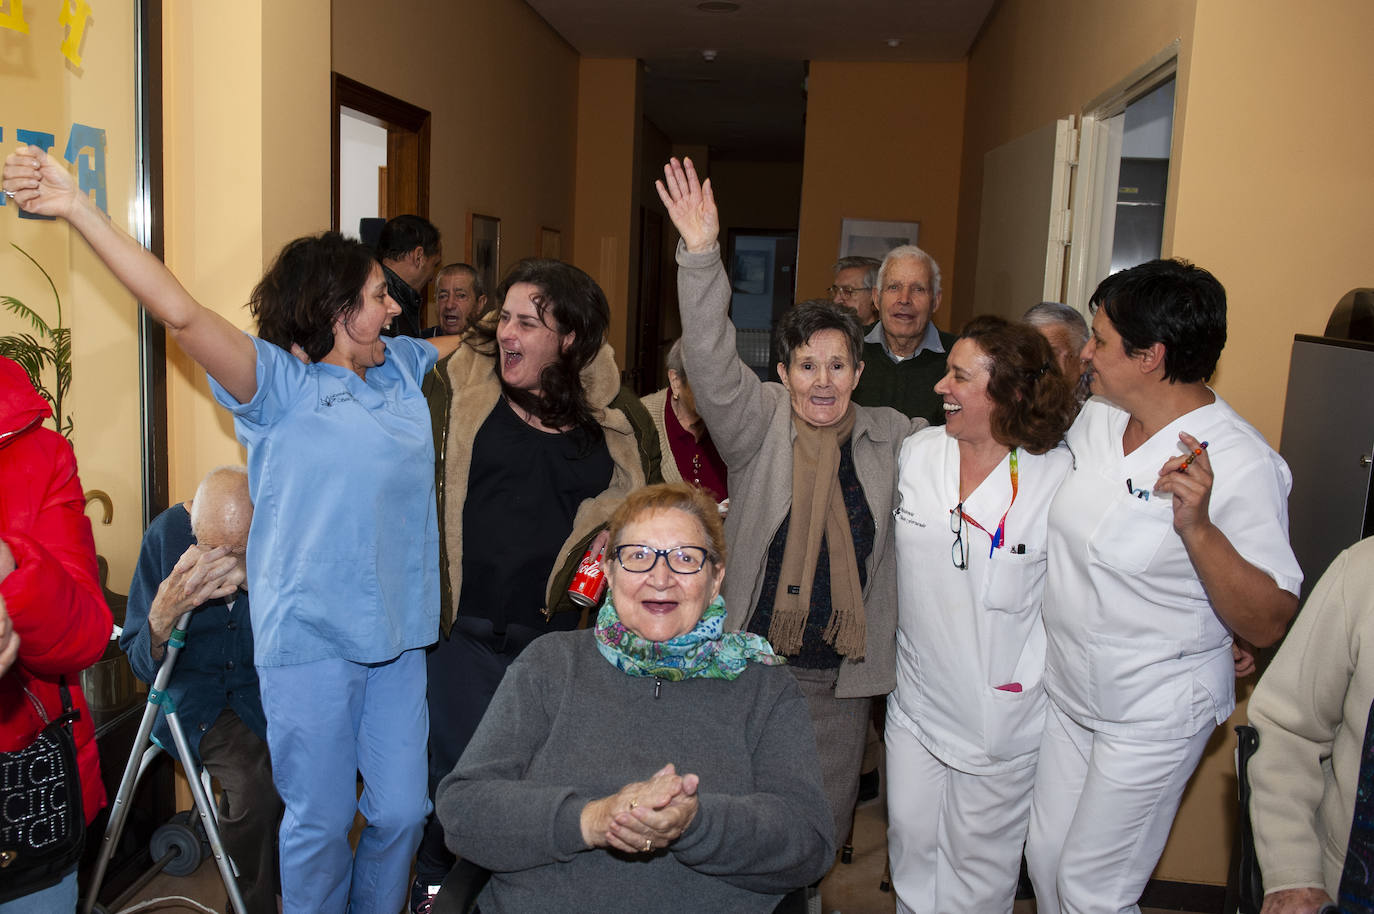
[964,724]
[1168,537]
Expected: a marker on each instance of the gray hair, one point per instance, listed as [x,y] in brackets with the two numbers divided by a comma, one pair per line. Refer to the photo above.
[674,361]
[1053,313]
[910,250]
[868,264]
[800,322]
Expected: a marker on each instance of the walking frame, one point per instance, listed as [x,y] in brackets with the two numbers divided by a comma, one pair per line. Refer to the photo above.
[138,764]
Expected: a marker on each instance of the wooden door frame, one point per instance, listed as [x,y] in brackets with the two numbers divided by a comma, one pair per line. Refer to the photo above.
[407,128]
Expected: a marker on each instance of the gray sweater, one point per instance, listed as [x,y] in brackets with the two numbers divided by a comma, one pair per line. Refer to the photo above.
[566,727]
[751,423]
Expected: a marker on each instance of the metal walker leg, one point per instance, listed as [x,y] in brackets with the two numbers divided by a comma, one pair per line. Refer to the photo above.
[138,763]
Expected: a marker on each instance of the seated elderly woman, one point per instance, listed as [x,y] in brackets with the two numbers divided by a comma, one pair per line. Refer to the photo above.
[811,482]
[652,758]
[681,429]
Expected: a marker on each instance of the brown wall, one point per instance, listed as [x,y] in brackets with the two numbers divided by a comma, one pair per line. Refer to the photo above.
[883,141]
[501,87]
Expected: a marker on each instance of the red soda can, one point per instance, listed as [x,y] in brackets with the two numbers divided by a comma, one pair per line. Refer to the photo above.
[588,586]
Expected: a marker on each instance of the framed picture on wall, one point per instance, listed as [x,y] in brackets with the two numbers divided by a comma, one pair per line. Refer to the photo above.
[550,243]
[875,237]
[484,247]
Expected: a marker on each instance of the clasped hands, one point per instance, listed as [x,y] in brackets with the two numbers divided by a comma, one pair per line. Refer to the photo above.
[645,816]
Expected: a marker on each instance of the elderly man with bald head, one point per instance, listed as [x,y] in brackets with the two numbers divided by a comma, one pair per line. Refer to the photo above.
[193,560]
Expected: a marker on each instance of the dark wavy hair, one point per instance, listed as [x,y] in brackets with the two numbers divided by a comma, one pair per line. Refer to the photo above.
[803,321]
[569,301]
[1032,402]
[404,234]
[313,281]
[1170,302]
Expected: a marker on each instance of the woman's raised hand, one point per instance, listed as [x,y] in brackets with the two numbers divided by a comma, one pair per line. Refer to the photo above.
[691,204]
[39,183]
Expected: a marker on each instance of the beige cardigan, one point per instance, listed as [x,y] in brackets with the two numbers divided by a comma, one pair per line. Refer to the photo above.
[1310,709]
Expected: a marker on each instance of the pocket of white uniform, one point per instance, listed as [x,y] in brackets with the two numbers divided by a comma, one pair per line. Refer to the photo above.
[1013,721]
[1139,680]
[1130,534]
[1013,639]
[1015,581]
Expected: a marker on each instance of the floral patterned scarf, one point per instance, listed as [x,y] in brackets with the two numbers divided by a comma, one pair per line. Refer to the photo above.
[705,651]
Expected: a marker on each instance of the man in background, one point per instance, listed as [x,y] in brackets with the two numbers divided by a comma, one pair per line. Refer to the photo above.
[855,278]
[904,353]
[1067,333]
[460,299]
[410,251]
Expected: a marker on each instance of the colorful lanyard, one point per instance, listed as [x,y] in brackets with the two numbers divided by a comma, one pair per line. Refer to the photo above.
[1000,534]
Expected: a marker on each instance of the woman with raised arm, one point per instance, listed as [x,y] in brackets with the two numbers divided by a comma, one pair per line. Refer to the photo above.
[812,479]
[343,548]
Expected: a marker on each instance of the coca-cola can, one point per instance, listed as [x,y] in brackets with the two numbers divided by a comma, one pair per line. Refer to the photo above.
[588,586]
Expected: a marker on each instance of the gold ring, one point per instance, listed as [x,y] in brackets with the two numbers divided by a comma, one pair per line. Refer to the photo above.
[634,803]
[648,844]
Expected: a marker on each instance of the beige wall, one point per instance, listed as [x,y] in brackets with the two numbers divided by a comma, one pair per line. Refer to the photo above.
[883,141]
[608,125]
[1275,189]
[501,87]
[246,171]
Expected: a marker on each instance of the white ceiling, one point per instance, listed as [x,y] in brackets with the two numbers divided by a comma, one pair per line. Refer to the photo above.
[751,101]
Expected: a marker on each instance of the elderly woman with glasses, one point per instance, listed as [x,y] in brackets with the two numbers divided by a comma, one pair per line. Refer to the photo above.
[964,724]
[654,758]
[811,491]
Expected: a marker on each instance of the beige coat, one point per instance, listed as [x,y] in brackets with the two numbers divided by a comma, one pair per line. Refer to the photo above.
[462,391]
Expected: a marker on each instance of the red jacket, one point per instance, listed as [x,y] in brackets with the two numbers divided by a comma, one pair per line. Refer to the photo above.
[53,596]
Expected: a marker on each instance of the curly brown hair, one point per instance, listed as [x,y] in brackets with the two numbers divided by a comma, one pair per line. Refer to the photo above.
[1032,402]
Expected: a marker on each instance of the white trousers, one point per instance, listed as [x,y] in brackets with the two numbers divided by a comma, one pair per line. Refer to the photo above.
[1102,809]
[953,839]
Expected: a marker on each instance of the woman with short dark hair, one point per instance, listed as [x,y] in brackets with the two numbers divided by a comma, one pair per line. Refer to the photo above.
[964,723]
[1168,540]
[811,491]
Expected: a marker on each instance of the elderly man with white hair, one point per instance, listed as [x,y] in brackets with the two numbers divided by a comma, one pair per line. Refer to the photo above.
[904,354]
[193,559]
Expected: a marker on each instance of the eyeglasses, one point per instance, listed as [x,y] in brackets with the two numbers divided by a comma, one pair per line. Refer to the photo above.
[846,292]
[958,552]
[640,559]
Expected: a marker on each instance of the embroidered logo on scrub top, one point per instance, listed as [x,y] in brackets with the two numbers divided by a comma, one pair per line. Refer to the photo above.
[902,514]
[342,396]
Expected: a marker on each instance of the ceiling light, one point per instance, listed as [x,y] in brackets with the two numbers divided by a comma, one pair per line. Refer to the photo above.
[708,55]
[717,6]
[894,42]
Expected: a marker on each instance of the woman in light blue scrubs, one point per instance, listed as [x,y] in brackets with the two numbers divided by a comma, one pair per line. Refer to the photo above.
[343,550]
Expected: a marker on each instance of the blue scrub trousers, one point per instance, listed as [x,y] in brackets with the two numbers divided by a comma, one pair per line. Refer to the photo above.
[328,721]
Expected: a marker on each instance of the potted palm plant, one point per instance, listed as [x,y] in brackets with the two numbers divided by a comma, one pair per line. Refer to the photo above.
[48,346]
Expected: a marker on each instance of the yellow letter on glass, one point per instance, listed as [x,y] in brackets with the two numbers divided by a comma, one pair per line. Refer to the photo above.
[12,16]
[74,15]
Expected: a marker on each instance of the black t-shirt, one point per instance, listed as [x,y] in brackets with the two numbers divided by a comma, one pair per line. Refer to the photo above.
[524,487]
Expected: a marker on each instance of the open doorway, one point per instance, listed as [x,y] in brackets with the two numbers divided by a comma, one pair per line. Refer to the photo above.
[381,151]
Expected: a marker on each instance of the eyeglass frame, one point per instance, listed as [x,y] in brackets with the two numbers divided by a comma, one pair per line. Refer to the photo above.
[706,556]
[956,526]
[847,292]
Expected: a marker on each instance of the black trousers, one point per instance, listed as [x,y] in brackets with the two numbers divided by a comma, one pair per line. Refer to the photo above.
[464,670]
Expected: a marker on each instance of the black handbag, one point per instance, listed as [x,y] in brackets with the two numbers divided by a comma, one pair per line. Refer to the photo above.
[42,822]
